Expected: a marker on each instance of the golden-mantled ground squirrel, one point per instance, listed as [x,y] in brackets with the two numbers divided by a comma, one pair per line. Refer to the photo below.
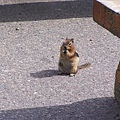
[69,59]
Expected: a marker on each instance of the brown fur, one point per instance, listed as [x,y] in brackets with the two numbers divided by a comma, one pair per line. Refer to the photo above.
[69,59]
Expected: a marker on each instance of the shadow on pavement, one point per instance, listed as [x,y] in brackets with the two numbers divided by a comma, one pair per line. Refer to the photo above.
[91,109]
[44,73]
[46,10]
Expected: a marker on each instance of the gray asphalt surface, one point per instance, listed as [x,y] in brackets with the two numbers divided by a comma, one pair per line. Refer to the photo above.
[31,33]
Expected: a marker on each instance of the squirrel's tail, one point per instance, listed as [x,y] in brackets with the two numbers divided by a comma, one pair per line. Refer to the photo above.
[86,65]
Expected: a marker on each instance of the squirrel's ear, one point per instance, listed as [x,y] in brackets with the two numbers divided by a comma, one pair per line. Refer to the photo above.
[72,40]
[66,38]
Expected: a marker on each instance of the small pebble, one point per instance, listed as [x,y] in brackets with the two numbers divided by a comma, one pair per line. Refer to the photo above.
[35,93]
[90,40]
[52,57]
[17,28]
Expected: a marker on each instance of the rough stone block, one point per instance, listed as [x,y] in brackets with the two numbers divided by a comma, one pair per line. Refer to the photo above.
[107,14]
[117,84]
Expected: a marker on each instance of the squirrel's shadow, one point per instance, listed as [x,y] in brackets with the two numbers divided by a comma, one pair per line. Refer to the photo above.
[44,73]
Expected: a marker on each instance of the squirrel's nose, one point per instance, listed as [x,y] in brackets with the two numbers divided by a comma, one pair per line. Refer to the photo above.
[65,47]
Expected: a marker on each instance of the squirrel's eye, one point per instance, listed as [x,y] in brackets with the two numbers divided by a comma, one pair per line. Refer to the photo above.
[70,44]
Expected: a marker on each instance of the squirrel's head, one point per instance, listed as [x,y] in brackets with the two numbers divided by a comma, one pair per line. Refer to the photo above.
[68,46]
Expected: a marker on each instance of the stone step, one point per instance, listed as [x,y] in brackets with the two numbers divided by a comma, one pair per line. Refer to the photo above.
[117,84]
[107,14]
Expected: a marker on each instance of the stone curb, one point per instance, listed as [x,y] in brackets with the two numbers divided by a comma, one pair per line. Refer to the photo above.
[117,84]
[106,16]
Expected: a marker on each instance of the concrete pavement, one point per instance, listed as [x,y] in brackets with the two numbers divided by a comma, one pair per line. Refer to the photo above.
[30,36]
